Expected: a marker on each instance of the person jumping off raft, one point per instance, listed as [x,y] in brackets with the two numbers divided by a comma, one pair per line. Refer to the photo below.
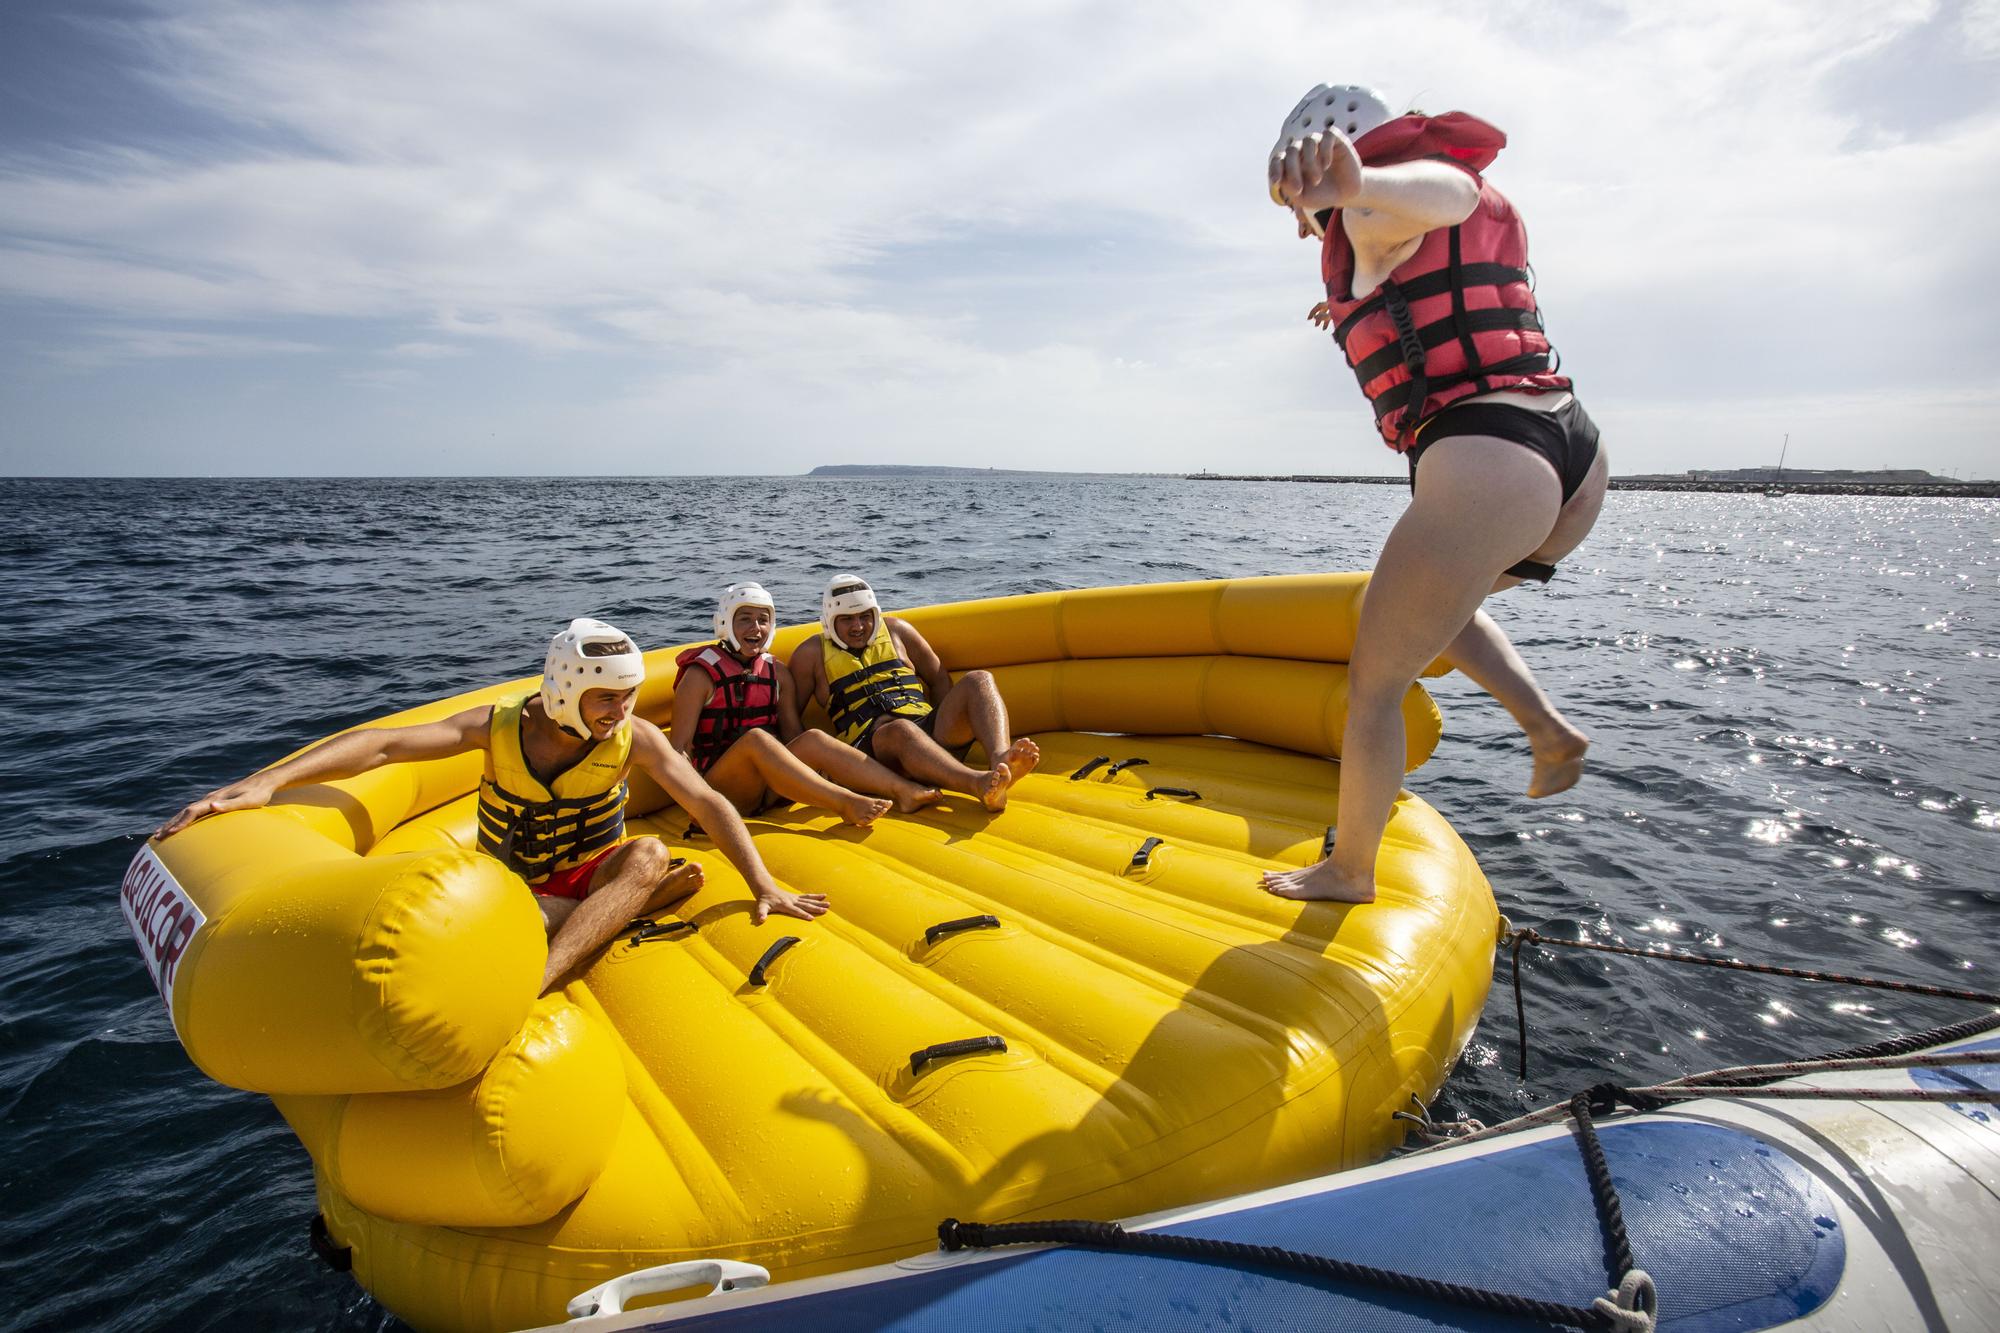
[736,718]
[552,799]
[886,693]
[1428,294]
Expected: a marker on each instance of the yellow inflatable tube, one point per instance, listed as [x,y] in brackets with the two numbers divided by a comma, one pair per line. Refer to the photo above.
[1082,1006]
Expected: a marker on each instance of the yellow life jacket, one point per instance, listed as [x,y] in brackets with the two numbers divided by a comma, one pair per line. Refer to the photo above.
[864,688]
[536,828]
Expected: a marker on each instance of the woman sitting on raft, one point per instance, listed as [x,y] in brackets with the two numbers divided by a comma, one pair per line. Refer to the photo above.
[1427,282]
[736,717]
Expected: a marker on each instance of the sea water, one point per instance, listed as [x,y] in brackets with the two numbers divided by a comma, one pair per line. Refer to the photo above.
[1793,704]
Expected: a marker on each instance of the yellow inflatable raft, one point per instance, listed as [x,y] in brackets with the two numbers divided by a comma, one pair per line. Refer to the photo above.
[1083,1006]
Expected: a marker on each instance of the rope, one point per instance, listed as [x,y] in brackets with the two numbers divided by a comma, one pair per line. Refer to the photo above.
[1629,1306]
[1527,934]
[956,1235]
[1830,1065]
[1742,1077]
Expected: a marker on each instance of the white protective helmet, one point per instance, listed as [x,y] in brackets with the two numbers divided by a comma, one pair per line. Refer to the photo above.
[846,595]
[1348,108]
[734,597]
[572,668]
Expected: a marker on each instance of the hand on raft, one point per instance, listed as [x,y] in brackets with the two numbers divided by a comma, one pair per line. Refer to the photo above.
[784,902]
[249,794]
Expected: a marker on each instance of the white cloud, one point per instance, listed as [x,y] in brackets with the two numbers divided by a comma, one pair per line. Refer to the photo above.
[769,213]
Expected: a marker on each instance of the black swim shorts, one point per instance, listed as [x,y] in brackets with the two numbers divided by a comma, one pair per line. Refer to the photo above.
[1567,437]
[865,742]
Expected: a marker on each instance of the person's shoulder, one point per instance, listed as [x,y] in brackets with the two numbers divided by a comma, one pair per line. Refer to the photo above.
[809,650]
[475,724]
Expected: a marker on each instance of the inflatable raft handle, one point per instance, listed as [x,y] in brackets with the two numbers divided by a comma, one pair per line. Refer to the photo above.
[945,1050]
[1090,766]
[340,1258]
[1189,792]
[1144,856]
[1122,765]
[720,1274]
[770,957]
[658,930]
[932,934]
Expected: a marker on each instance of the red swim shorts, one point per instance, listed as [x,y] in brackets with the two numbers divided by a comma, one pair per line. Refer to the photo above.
[575,881]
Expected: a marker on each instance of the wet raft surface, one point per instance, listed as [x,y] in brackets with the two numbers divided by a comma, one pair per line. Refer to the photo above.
[1171,1033]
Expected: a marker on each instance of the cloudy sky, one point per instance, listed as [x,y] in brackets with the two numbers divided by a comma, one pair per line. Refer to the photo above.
[627,236]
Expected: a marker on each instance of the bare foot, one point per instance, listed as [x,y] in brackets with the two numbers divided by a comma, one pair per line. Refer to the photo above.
[1558,761]
[1022,756]
[993,791]
[1318,882]
[678,883]
[861,811]
[916,798]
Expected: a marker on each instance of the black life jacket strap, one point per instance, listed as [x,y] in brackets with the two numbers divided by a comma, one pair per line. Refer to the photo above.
[1435,283]
[1439,332]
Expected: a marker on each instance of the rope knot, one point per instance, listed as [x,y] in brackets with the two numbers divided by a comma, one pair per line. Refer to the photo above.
[1603,1098]
[1632,1306]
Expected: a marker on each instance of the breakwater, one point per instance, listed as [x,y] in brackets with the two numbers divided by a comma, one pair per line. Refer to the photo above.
[1960,489]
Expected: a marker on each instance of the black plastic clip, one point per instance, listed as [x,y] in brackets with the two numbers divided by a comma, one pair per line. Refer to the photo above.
[1143,858]
[1122,765]
[1089,766]
[1190,793]
[694,831]
[932,934]
[340,1258]
[770,957]
[945,1050]
[1326,844]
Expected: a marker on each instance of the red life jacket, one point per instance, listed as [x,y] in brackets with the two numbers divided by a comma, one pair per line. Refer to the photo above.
[744,699]
[1456,318]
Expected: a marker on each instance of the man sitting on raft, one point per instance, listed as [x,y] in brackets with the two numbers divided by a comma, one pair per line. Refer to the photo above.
[872,672]
[736,718]
[552,801]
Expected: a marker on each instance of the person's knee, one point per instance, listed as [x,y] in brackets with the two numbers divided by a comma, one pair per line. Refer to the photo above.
[1369,685]
[811,744]
[894,735]
[648,859]
[979,679]
[759,741]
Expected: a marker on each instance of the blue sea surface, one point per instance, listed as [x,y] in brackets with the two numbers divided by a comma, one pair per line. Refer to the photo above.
[1793,704]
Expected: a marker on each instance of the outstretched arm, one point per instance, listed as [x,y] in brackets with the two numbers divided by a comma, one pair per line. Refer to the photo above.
[342,757]
[1381,206]
[718,818]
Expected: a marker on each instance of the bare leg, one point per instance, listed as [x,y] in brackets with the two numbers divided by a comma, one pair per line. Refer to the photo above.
[758,760]
[908,747]
[633,876]
[844,764]
[1483,652]
[974,710]
[1484,503]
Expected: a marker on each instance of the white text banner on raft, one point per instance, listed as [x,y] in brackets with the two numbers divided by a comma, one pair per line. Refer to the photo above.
[162,917]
